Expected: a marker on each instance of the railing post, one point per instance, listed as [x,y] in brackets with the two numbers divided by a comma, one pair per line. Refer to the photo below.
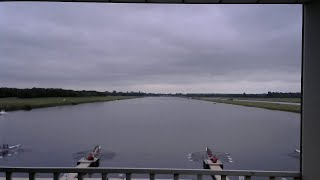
[8,175]
[175,176]
[199,176]
[56,176]
[32,173]
[104,176]
[32,176]
[128,176]
[80,176]
[152,176]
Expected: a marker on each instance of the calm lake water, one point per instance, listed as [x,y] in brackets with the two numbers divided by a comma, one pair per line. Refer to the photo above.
[153,132]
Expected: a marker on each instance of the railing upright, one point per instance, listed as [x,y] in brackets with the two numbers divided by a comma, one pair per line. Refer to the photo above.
[199,176]
[8,175]
[56,176]
[152,176]
[32,175]
[80,176]
[175,176]
[128,176]
[104,176]
[223,177]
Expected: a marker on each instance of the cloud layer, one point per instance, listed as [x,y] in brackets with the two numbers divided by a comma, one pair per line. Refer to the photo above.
[151,47]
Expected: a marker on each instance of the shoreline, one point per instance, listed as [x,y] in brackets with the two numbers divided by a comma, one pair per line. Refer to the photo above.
[27,104]
[263,105]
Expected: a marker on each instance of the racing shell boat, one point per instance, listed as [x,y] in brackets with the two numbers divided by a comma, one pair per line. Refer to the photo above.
[93,158]
[212,160]
[2,112]
[7,149]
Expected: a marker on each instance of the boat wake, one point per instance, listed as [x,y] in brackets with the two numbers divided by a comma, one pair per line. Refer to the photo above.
[200,156]
[295,154]
[104,154]
[2,112]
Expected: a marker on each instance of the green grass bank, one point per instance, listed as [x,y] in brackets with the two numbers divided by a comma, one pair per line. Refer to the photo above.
[11,104]
[290,100]
[265,105]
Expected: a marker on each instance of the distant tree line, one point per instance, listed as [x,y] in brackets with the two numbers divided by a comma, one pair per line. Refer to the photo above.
[56,92]
[45,92]
[262,95]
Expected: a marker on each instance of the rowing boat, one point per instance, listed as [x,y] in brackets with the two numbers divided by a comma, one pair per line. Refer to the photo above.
[5,148]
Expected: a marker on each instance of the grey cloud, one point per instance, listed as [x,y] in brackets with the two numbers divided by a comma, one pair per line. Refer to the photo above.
[160,48]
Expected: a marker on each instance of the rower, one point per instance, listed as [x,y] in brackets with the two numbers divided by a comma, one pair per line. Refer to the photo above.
[90,157]
[214,159]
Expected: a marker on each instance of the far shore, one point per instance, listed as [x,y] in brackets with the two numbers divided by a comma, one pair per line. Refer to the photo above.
[265,105]
[12,104]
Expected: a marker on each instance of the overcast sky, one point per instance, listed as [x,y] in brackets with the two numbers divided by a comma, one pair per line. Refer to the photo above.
[151,47]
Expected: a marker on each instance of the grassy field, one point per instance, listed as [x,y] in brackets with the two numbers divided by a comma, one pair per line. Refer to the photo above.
[291,100]
[11,104]
[271,106]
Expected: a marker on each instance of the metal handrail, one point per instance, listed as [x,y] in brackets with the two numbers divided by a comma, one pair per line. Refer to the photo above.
[182,1]
[151,171]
